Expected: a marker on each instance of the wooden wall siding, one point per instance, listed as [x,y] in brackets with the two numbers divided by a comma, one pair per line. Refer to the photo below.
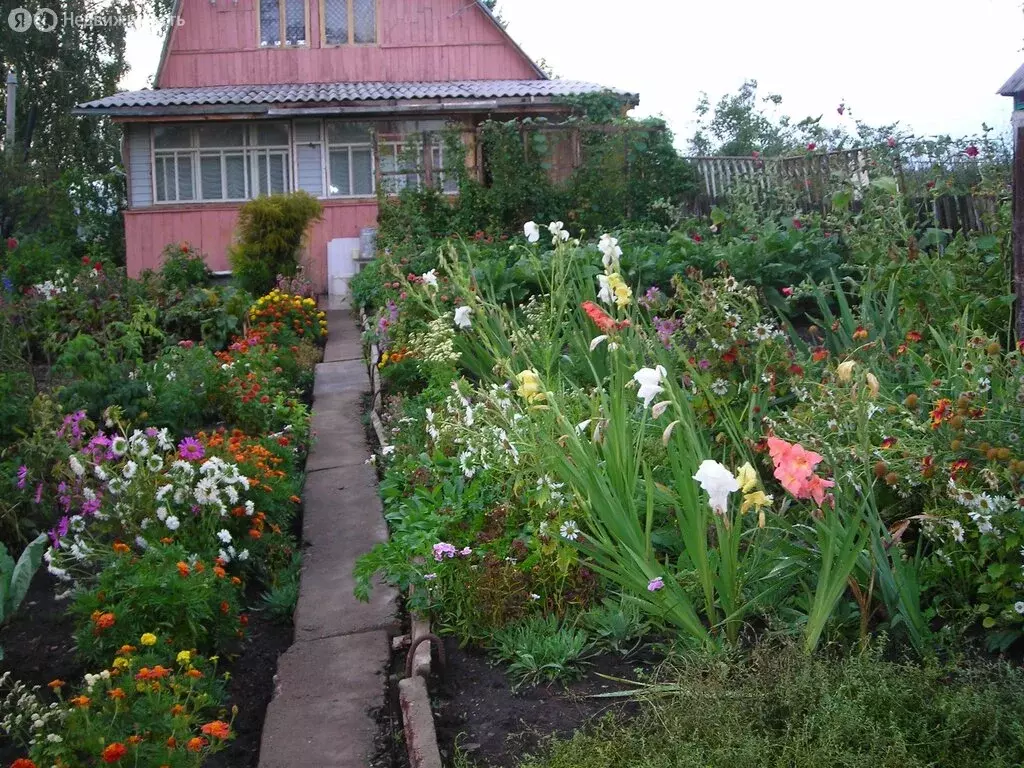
[433,40]
[139,165]
[211,228]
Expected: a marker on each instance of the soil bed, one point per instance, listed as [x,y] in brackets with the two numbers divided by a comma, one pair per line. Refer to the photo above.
[477,711]
[39,646]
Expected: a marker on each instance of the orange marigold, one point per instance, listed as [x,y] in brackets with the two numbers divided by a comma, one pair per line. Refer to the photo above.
[104,620]
[183,568]
[56,684]
[195,674]
[23,762]
[126,650]
[177,709]
[116,693]
[196,744]
[80,701]
[134,739]
[121,548]
[217,728]
[172,743]
[114,752]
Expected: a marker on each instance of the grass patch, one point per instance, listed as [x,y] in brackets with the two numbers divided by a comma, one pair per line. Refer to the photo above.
[780,709]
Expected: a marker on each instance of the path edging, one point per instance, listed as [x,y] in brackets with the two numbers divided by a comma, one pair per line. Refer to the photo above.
[414,698]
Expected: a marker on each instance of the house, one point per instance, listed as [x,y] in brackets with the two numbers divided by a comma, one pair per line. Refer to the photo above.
[340,98]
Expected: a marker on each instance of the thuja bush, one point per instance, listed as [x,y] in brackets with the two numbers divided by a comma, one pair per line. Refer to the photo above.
[270,238]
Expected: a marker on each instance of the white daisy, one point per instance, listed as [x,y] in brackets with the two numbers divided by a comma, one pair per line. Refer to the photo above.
[569,530]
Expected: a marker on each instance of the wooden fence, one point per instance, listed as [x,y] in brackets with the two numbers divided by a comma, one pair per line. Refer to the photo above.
[810,177]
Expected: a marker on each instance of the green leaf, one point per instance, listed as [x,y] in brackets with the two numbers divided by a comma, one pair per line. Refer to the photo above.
[988,622]
[24,570]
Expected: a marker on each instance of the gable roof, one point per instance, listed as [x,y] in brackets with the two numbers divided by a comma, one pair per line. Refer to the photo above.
[1015,84]
[261,99]
[478,3]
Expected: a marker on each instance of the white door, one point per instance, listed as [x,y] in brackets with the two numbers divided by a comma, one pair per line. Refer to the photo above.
[342,253]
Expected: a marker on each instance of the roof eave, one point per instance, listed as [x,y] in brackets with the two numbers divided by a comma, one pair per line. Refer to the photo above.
[1015,84]
[295,109]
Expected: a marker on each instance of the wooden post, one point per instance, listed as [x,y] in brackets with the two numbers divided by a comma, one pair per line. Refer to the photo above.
[1018,231]
[12,95]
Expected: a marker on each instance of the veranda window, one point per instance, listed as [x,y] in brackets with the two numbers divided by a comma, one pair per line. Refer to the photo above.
[221,162]
[347,22]
[414,158]
[350,160]
[283,23]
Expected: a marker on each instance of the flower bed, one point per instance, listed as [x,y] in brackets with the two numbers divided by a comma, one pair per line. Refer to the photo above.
[591,444]
[168,505]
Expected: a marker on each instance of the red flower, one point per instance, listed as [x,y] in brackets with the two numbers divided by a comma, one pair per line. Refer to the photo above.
[697,238]
[941,412]
[913,336]
[23,762]
[797,224]
[971,151]
[888,442]
[218,729]
[960,465]
[811,147]
[930,185]
[11,243]
[604,322]
[755,154]
[86,260]
[787,291]
[891,142]
[818,354]
[114,752]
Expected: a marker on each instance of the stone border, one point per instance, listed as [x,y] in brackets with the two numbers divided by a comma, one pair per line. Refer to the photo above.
[417,715]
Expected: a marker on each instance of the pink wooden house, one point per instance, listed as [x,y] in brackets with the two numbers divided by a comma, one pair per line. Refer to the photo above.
[339,98]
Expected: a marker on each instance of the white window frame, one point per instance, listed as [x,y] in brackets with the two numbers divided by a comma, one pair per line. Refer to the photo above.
[250,152]
[282,21]
[348,146]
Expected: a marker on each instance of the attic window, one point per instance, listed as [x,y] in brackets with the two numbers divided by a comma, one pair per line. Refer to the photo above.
[349,22]
[291,16]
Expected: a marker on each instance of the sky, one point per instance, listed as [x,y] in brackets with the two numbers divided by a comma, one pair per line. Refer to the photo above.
[932,65]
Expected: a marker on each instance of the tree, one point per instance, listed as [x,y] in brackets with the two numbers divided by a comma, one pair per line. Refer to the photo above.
[56,70]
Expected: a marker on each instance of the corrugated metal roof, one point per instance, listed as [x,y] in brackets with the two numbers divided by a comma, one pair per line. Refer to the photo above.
[1015,84]
[332,93]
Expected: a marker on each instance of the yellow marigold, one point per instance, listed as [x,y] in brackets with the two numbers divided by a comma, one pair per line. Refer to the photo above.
[120,662]
[148,639]
[184,657]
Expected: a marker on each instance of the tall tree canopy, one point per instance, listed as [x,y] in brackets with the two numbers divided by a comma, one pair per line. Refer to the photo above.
[56,70]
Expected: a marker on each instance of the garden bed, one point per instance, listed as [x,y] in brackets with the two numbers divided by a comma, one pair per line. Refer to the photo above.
[481,716]
[39,647]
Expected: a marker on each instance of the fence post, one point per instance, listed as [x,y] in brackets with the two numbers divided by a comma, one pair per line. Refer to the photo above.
[1018,231]
[12,95]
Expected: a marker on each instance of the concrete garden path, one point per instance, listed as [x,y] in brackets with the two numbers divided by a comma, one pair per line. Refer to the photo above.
[336,670]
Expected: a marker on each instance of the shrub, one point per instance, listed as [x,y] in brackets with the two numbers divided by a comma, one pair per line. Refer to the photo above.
[270,236]
[183,267]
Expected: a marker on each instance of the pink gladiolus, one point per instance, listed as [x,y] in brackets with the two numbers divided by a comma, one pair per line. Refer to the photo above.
[794,469]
